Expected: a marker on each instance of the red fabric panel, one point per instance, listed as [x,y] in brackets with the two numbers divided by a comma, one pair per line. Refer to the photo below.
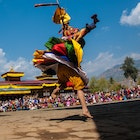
[59,49]
[69,84]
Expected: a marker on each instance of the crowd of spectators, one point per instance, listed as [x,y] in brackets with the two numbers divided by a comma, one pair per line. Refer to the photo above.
[67,99]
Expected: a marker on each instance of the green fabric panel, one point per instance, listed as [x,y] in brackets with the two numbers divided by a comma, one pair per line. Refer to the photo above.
[69,46]
[52,41]
[71,53]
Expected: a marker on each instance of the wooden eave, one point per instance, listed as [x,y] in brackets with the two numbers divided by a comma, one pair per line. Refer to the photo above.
[12,74]
[33,84]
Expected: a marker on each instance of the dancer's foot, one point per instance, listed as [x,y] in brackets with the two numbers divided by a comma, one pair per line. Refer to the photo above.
[53,95]
[87,114]
[95,19]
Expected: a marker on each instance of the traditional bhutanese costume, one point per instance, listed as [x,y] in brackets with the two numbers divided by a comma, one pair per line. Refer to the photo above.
[64,61]
[62,57]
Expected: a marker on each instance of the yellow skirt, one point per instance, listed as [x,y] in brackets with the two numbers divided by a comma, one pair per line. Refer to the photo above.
[66,74]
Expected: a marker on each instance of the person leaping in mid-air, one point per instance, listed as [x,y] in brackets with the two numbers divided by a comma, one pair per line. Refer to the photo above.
[64,56]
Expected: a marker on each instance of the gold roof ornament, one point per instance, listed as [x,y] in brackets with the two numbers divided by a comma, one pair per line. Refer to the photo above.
[11,69]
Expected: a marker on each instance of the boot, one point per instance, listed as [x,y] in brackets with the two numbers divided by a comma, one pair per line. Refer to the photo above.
[95,19]
[90,27]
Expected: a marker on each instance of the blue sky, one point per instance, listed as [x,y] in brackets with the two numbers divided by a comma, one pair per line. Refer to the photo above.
[24,28]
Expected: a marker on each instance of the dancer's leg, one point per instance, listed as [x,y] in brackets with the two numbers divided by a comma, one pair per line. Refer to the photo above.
[55,92]
[85,110]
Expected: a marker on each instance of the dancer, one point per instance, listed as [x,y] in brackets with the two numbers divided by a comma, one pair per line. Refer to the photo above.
[64,56]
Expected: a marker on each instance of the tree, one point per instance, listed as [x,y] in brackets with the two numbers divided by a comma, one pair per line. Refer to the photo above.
[138,81]
[111,80]
[113,85]
[93,84]
[103,84]
[98,84]
[129,69]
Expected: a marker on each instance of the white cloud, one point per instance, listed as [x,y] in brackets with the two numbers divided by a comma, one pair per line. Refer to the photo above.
[135,56]
[20,65]
[104,61]
[105,28]
[133,18]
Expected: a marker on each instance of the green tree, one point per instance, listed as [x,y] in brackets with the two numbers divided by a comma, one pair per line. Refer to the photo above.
[130,71]
[115,86]
[102,84]
[93,84]
[111,80]
[98,84]
[138,81]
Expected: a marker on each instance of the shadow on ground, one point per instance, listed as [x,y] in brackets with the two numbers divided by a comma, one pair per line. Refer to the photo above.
[117,121]
[71,118]
[114,121]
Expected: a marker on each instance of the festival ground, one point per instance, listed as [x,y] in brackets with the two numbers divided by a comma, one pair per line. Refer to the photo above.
[112,121]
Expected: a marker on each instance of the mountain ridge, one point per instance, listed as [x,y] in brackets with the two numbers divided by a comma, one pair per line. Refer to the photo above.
[117,73]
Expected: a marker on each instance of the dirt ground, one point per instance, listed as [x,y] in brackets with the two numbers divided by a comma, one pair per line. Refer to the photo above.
[113,121]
